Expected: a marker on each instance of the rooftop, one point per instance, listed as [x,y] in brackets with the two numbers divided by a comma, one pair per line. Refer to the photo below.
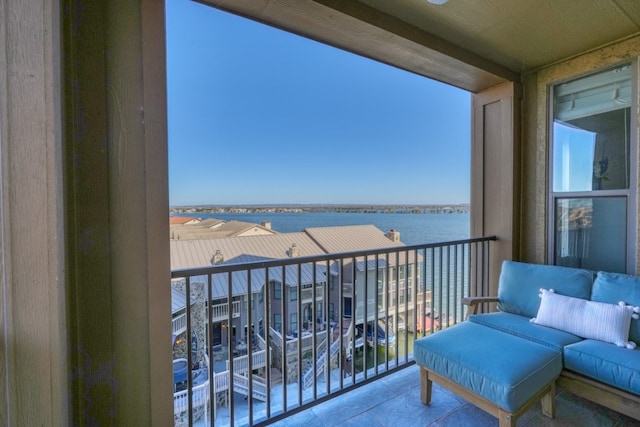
[212,228]
[310,242]
[349,238]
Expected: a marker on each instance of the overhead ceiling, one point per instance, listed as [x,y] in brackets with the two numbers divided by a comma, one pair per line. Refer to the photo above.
[521,35]
[472,44]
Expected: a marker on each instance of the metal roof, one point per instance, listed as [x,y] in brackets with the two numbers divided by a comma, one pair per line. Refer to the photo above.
[350,238]
[243,250]
[182,220]
[216,229]
[211,222]
[239,279]
[178,300]
[312,241]
[199,253]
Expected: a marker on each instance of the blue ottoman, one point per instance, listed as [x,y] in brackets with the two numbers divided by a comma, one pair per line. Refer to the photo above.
[498,372]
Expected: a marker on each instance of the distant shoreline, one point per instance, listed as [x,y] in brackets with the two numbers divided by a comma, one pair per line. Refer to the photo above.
[388,209]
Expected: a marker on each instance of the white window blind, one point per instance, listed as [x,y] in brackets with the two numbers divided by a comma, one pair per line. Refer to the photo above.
[602,92]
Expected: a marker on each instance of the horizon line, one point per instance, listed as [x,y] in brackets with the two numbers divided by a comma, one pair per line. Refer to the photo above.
[265,205]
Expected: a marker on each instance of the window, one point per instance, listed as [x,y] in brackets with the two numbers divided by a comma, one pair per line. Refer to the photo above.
[277,290]
[277,322]
[293,293]
[593,169]
[294,321]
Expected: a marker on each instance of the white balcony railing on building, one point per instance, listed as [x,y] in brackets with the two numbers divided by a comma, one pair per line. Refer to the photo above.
[307,295]
[179,324]
[201,392]
[369,334]
[220,312]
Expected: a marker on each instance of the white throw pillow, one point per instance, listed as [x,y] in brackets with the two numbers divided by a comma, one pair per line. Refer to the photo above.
[587,319]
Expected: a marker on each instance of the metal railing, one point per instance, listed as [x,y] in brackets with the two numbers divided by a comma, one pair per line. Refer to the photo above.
[381,301]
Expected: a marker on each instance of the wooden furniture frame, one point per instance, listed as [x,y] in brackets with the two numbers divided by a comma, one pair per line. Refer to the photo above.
[600,393]
[546,396]
[595,391]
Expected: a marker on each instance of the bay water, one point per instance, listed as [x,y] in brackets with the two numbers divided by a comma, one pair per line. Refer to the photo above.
[414,228]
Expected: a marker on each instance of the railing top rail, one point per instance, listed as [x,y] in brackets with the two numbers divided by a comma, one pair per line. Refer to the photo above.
[227,268]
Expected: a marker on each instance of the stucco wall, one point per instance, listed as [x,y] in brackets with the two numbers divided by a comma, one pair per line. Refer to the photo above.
[535,138]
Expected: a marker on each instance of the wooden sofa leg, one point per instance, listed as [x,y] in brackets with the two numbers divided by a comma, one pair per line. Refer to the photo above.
[506,419]
[548,402]
[425,386]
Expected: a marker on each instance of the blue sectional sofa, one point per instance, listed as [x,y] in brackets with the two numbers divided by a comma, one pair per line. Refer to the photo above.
[554,325]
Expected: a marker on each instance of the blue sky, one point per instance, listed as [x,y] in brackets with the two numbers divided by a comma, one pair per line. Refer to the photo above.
[261,116]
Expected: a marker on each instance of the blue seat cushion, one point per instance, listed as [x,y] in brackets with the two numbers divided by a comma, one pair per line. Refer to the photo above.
[605,362]
[520,283]
[500,367]
[521,327]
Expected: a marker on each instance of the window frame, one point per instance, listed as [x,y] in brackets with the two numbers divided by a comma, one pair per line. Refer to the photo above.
[631,193]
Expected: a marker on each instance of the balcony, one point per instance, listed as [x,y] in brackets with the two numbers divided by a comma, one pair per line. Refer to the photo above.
[220,312]
[355,330]
[395,401]
[307,295]
[355,368]
[179,324]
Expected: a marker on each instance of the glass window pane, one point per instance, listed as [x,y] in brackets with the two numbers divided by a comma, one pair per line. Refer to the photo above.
[573,158]
[591,233]
[277,322]
[591,132]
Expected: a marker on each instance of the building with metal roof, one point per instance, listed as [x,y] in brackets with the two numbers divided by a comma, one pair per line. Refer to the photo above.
[350,238]
[212,228]
[285,285]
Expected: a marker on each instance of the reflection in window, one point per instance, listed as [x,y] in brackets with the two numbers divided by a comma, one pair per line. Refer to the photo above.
[574,158]
[591,132]
[590,233]
[591,194]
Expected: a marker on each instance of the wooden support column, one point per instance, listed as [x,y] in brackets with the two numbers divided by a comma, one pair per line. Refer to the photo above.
[116,211]
[495,165]
[33,356]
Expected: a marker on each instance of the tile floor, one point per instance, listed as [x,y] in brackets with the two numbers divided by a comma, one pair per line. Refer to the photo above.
[394,401]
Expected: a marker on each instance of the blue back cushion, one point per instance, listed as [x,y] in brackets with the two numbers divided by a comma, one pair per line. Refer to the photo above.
[520,283]
[615,287]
